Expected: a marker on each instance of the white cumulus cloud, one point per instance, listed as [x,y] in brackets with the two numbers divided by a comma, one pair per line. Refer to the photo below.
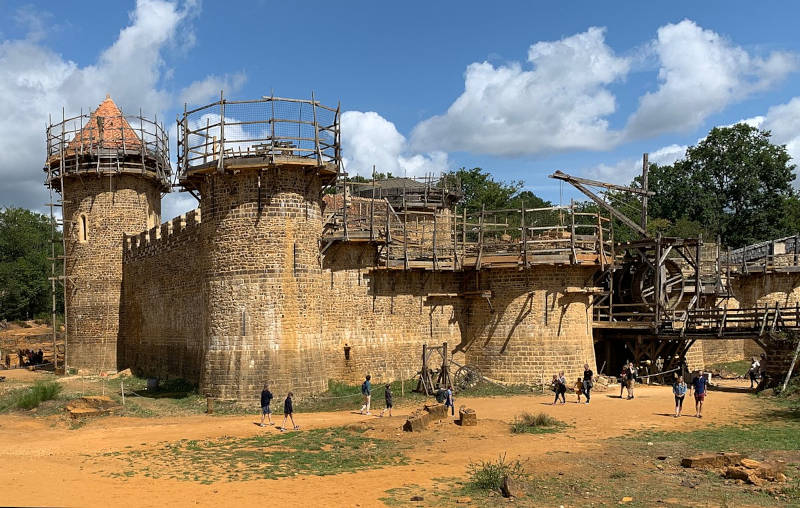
[35,82]
[369,139]
[783,121]
[623,172]
[700,74]
[560,103]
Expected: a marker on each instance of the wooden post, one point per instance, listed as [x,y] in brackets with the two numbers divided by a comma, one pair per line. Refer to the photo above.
[657,283]
[644,188]
[221,160]
[388,233]
[600,248]
[480,239]
[316,129]
[372,208]
[697,286]
[463,235]
[524,236]
[405,232]
[796,251]
[434,240]
[572,231]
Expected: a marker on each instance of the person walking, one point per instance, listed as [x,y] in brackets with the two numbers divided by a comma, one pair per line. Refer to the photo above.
[588,382]
[288,412]
[632,378]
[623,379]
[560,387]
[699,387]
[679,390]
[755,367]
[366,392]
[266,399]
[387,394]
[578,388]
[448,400]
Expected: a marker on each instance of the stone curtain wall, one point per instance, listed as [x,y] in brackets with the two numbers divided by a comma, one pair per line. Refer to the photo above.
[536,328]
[111,206]
[384,316]
[162,318]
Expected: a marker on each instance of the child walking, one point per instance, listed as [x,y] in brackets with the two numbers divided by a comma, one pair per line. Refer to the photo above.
[388,396]
[679,390]
[288,412]
[266,399]
[579,389]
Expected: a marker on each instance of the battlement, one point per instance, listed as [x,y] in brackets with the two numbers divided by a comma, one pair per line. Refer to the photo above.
[154,240]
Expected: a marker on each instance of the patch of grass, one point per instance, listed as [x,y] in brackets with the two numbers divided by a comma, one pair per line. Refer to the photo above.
[539,423]
[739,367]
[316,452]
[760,437]
[489,475]
[29,398]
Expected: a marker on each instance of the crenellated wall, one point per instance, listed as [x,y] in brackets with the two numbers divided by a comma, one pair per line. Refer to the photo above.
[162,329]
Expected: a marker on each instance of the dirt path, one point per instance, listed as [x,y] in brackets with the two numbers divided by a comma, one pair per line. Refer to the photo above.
[46,462]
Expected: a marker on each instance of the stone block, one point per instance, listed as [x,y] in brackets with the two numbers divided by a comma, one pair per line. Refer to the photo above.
[467,417]
[712,460]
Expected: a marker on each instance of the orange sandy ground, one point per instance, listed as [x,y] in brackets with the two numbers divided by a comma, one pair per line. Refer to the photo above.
[42,462]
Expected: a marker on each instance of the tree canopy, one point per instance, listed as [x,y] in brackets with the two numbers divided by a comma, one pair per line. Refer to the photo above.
[734,184]
[480,189]
[24,263]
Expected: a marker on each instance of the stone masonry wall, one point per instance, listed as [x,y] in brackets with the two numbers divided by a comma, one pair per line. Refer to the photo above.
[162,319]
[263,284]
[384,316]
[536,328]
[110,207]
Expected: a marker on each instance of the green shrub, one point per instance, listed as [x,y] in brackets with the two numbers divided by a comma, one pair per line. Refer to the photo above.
[29,398]
[489,475]
[535,423]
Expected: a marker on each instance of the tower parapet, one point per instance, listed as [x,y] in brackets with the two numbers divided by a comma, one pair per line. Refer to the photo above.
[110,170]
[107,142]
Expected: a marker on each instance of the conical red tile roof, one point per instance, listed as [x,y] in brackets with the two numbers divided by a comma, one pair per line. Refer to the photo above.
[106,128]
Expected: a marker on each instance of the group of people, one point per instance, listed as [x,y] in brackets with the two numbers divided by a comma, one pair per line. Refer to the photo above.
[366,394]
[699,387]
[266,412]
[28,357]
[583,386]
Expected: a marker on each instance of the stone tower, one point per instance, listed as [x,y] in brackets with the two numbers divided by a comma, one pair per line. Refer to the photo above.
[110,170]
[258,168]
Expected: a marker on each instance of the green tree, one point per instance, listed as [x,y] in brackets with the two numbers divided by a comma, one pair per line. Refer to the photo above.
[24,263]
[734,183]
[481,190]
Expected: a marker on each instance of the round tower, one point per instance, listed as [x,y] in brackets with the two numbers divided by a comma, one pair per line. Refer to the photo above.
[258,168]
[110,170]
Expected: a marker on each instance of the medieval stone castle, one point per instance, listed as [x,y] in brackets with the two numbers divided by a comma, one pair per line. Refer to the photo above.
[275,277]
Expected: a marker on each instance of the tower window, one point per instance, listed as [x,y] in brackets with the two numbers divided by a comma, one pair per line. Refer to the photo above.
[83,228]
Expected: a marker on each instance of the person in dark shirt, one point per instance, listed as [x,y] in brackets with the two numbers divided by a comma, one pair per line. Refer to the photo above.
[266,399]
[699,385]
[288,412]
[448,400]
[366,392]
[388,395]
[588,382]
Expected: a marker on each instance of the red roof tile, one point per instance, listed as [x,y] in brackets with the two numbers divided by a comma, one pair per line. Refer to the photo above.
[106,128]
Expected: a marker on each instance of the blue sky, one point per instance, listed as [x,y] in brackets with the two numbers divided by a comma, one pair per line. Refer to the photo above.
[518,88]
